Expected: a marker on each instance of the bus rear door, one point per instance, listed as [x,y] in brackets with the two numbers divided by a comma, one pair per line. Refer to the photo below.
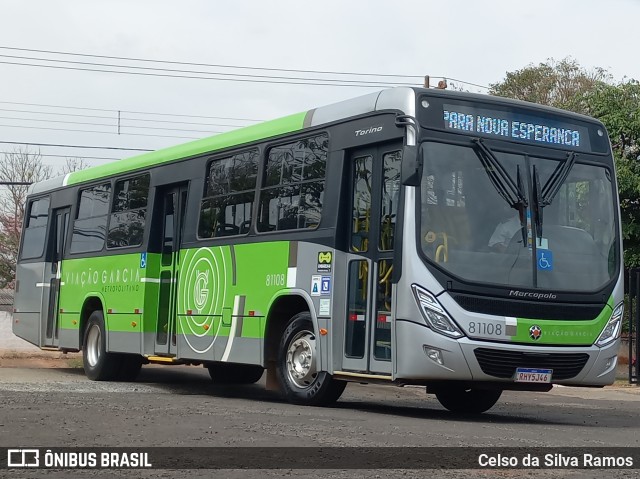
[173,200]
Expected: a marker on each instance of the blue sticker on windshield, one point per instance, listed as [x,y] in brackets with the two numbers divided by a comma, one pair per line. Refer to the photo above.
[545,259]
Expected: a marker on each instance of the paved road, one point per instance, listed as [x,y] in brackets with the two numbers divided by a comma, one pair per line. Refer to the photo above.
[178,406]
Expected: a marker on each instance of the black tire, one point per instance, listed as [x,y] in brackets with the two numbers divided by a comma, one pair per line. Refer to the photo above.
[313,388]
[130,366]
[231,373]
[99,365]
[468,400]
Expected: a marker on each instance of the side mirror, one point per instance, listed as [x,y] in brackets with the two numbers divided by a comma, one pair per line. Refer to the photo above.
[411,165]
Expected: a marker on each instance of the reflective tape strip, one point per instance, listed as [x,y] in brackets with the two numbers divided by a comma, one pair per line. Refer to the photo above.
[291,277]
[150,280]
[43,285]
[512,326]
[237,304]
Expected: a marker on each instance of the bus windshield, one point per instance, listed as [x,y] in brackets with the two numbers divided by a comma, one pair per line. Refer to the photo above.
[471,229]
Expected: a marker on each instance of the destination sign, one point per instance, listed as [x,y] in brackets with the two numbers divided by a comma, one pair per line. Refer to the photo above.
[516,127]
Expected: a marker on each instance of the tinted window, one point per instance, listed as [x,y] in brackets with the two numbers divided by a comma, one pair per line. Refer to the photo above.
[35,229]
[229,194]
[131,194]
[293,190]
[91,222]
[88,234]
[94,201]
[361,203]
[128,217]
[390,198]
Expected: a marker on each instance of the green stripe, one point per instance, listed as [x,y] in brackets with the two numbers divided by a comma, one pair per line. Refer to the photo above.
[268,129]
[567,333]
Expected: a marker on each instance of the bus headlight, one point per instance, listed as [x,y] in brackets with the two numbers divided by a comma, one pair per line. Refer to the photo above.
[612,330]
[434,314]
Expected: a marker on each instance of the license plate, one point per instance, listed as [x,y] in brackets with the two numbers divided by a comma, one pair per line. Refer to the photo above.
[528,375]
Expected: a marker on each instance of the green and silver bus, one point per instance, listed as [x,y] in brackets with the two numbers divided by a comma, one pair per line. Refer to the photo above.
[467,243]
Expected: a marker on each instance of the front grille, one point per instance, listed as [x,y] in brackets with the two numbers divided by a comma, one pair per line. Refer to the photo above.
[503,364]
[527,309]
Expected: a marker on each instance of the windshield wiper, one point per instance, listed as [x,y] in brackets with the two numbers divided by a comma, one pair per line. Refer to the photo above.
[556,180]
[537,204]
[544,197]
[511,191]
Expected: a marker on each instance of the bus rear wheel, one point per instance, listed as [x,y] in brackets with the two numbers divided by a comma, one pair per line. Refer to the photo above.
[230,373]
[297,371]
[463,400]
[99,365]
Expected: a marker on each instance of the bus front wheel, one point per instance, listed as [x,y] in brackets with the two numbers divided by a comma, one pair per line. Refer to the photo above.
[299,378]
[99,365]
[459,399]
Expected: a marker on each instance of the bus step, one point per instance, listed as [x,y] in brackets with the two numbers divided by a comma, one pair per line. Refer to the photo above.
[163,359]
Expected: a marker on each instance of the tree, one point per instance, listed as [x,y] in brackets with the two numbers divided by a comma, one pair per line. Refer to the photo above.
[618,107]
[554,83]
[19,166]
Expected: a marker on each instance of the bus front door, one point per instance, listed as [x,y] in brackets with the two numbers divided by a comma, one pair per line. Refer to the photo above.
[375,194]
[173,201]
[52,274]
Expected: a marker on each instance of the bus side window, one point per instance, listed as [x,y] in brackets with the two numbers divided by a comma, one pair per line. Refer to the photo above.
[128,216]
[35,229]
[293,189]
[229,193]
[90,226]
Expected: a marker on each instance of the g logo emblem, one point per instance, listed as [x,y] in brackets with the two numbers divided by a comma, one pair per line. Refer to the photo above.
[201,290]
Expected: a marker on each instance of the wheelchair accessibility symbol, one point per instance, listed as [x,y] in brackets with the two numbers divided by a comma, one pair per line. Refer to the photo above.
[545,260]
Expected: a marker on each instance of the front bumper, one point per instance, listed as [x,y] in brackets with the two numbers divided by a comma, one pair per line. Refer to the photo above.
[460,362]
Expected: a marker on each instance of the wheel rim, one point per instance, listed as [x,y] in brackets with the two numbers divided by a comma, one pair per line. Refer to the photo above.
[301,360]
[93,345]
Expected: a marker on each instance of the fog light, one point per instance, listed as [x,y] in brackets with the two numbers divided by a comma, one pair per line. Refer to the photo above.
[611,362]
[434,354]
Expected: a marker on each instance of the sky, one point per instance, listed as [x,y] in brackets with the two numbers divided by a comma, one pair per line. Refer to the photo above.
[467,40]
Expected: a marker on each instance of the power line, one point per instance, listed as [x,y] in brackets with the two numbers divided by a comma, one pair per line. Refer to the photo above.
[115,118]
[180,122]
[126,111]
[67,156]
[239,67]
[465,82]
[110,125]
[55,113]
[97,131]
[72,146]
[200,72]
[164,75]
[242,67]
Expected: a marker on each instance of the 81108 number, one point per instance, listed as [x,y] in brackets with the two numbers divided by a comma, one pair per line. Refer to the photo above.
[486,329]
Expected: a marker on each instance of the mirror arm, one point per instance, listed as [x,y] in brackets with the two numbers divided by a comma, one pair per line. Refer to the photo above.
[411,158]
